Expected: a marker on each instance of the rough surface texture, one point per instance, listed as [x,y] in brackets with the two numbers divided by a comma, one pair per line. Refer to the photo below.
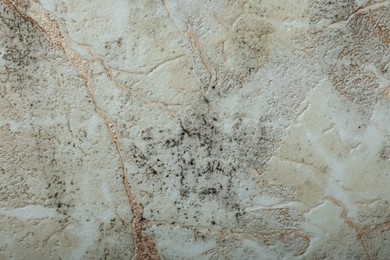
[186,129]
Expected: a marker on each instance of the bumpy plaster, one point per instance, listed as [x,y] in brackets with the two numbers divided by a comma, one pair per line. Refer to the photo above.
[194,129]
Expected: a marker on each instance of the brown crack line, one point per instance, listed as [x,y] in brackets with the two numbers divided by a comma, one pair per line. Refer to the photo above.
[194,43]
[144,247]
[108,71]
[360,232]
[359,11]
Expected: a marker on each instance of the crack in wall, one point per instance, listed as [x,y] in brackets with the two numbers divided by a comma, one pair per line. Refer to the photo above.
[144,247]
[108,71]
[359,232]
[196,46]
[360,10]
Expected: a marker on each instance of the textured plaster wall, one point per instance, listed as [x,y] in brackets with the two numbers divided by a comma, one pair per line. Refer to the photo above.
[183,129]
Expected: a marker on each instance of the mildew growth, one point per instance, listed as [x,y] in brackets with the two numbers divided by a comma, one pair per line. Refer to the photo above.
[186,127]
[357,66]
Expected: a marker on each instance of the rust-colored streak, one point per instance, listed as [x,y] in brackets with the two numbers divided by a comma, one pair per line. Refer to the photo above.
[195,43]
[360,232]
[144,247]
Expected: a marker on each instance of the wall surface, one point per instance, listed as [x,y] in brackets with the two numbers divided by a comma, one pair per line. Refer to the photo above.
[194,129]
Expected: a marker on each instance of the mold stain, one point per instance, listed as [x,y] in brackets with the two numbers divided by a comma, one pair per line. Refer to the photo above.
[144,247]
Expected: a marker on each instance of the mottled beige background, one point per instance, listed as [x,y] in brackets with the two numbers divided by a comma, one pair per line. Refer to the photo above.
[194,129]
